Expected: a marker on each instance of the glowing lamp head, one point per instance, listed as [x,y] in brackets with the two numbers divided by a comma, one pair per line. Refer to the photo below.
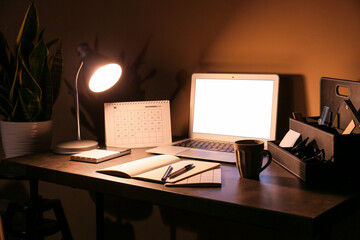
[105,77]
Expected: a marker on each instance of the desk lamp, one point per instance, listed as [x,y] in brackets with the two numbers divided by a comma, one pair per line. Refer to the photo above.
[102,74]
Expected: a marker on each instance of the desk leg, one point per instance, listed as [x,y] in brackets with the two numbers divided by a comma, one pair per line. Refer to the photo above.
[34,189]
[34,215]
[99,204]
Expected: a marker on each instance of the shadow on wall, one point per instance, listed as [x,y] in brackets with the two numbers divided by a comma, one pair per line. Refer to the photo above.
[180,104]
[291,99]
[129,88]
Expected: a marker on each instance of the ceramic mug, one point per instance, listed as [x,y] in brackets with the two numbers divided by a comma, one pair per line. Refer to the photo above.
[249,156]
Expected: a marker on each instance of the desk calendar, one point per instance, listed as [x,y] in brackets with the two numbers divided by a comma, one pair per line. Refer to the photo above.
[137,124]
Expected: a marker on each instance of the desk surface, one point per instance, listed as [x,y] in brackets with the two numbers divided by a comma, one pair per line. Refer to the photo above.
[278,200]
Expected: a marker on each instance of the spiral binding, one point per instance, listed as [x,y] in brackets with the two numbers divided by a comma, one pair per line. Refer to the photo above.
[139,102]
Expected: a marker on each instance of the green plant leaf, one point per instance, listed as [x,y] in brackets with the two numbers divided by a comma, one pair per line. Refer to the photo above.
[28,30]
[4,113]
[48,96]
[41,35]
[37,59]
[6,77]
[30,103]
[5,105]
[17,114]
[5,81]
[4,56]
[28,81]
[56,71]
[29,77]
[51,43]
[12,67]
[15,82]
[4,92]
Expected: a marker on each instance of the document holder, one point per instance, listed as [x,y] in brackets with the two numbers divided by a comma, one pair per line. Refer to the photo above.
[341,151]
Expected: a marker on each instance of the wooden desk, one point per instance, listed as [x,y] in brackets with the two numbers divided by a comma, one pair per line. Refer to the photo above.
[278,200]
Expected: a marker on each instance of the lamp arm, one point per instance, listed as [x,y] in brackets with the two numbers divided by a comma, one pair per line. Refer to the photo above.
[77,101]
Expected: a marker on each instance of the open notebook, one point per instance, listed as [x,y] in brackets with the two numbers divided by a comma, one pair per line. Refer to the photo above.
[153,169]
[225,108]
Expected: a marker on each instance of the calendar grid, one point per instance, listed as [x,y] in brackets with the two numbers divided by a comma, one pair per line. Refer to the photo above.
[138,124]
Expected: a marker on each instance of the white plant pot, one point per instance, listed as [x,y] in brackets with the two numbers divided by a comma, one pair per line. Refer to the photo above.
[21,138]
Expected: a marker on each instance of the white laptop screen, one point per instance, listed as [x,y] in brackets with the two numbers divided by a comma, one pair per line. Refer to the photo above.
[234,107]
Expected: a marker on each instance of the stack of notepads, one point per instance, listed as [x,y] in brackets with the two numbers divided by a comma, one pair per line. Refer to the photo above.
[153,169]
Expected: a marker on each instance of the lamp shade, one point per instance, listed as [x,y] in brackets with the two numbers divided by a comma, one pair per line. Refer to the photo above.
[100,72]
[105,77]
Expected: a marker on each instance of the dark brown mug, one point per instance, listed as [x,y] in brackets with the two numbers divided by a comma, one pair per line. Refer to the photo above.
[249,156]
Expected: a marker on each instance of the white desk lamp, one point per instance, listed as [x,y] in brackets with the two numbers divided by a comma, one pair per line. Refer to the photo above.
[102,74]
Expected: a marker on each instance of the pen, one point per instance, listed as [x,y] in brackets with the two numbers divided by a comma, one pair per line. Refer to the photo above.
[182,170]
[168,171]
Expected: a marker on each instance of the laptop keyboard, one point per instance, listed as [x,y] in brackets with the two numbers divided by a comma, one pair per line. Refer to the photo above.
[207,145]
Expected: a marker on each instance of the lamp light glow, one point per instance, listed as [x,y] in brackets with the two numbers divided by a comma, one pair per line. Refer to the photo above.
[103,74]
[105,77]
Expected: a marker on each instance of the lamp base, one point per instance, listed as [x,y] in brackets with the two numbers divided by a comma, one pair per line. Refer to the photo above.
[76,146]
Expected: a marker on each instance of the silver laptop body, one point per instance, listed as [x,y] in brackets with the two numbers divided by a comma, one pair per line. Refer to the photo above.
[228,107]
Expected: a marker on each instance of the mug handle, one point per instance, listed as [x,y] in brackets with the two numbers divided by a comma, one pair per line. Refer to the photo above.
[269,157]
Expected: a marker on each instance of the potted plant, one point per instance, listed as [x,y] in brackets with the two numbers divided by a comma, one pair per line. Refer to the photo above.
[30,78]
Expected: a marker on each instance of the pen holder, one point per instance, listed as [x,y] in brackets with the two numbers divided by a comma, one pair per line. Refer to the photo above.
[307,171]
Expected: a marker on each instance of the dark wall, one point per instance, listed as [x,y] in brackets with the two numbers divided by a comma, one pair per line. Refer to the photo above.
[160,43]
[169,40]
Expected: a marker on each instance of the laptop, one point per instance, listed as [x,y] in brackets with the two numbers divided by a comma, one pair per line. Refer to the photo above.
[225,108]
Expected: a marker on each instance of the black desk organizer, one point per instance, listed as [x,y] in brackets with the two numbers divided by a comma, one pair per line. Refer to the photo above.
[342,152]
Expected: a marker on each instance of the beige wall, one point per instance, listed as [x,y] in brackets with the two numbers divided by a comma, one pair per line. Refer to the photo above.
[310,39]
[306,39]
